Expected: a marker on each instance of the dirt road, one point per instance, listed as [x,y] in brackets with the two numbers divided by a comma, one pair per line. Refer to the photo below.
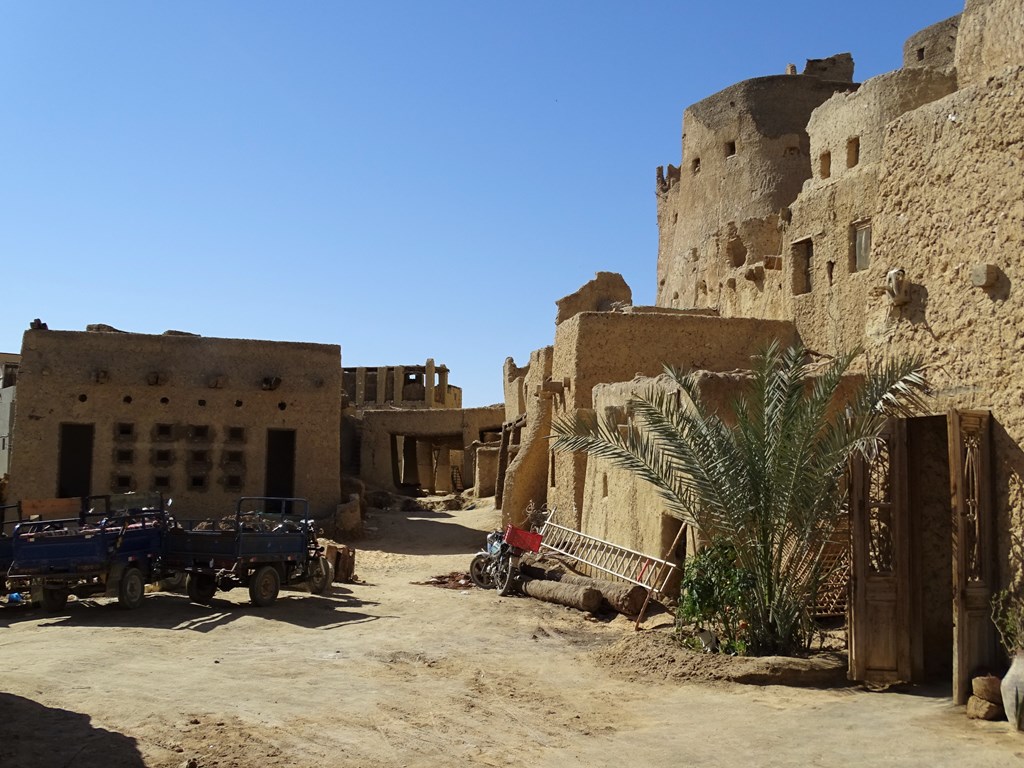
[387,673]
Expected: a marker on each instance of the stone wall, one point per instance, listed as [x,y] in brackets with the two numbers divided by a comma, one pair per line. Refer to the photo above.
[837,207]
[745,155]
[933,46]
[604,347]
[182,414]
[990,39]
[526,477]
[951,215]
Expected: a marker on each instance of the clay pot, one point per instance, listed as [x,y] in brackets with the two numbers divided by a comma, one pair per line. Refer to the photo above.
[1012,689]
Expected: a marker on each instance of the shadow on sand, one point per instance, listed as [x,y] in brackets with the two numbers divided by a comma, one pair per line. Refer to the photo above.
[36,736]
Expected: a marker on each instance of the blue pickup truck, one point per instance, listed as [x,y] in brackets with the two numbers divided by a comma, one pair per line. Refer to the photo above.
[119,543]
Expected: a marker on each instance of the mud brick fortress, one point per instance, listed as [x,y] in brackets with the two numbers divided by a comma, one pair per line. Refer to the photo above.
[805,208]
[887,215]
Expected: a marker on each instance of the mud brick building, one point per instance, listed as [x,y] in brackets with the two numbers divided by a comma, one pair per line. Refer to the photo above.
[204,420]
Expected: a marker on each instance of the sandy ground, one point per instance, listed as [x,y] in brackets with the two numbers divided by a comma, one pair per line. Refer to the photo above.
[388,673]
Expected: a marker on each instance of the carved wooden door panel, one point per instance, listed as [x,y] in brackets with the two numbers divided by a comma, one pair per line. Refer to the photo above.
[880,542]
[974,640]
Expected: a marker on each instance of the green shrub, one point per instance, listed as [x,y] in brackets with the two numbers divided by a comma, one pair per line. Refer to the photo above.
[713,594]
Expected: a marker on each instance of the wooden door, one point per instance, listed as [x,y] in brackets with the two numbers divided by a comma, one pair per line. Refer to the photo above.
[974,640]
[880,553]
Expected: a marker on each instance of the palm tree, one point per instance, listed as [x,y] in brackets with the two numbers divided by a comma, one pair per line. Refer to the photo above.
[770,482]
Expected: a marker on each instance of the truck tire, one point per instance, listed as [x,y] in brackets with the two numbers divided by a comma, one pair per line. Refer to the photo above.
[200,587]
[264,586]
[54,599]
[131,590]
[320,575]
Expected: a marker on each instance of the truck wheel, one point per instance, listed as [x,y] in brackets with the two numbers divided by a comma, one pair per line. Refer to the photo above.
[264,586]
[131,590]
[54,599]
[200,588]
[320,573]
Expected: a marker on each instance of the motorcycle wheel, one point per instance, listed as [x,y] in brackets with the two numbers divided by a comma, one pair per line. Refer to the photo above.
[503,575]
[479,571]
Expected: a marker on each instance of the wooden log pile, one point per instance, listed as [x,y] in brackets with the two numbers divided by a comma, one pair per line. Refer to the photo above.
[625,598]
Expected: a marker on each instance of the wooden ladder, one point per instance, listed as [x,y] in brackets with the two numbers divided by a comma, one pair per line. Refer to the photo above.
[622,563]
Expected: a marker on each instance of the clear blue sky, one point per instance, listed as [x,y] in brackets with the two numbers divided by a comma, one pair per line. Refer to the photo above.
[405,179]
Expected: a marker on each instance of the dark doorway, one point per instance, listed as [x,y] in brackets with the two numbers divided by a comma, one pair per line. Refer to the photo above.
[74,467]
[280,475]
[931,532]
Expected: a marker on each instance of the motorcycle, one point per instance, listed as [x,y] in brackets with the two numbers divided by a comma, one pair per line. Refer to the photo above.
[496,566]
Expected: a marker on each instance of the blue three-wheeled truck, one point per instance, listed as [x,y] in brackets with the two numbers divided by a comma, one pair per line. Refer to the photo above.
[119,543]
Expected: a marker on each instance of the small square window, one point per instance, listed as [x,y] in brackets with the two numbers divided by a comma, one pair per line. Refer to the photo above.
[197,482]
[125,429]
[234,457]
[161,482]
[199,457]
[123,456]
[198,432]
[122,482]
[236,434]
[165,431]
[825,165]
[163,456]
[803,266]
[853,152]
[730,148]
[233,482]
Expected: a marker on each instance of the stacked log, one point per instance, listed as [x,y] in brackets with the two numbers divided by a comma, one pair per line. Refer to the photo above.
[577,596]
[619,596]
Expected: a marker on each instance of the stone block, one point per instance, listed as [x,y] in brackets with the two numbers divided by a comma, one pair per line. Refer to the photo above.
[979,709]
[987,687]
[984,275]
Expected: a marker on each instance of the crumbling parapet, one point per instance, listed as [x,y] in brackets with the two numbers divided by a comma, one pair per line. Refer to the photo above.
[934,46]
[607,291]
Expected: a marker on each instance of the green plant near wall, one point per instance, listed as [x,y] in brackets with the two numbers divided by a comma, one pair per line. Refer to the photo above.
[713,595]
[768,480]
[1008,616]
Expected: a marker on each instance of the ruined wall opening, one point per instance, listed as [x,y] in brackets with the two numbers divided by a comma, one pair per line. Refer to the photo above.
[551,469]
[852,152]
[736,251]
[802,253]
[730,149]
[695,166]
[920,54]
[825,165]
[860,245]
